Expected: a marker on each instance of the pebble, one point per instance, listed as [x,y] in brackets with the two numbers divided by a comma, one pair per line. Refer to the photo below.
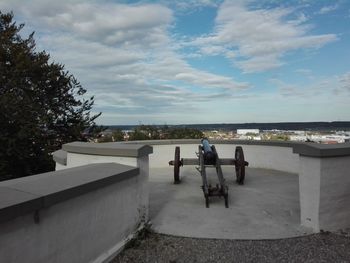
[323,247]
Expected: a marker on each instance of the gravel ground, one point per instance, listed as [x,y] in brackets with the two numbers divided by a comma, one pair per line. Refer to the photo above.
[152,247]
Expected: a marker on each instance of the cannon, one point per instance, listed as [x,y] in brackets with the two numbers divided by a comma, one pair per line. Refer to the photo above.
[207,156]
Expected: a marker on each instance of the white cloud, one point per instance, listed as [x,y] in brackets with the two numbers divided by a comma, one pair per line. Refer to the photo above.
[259,63]
[107,23]
[326,87]
[190,5]
[123,54]
[344,82]
[259,37]
[328,9]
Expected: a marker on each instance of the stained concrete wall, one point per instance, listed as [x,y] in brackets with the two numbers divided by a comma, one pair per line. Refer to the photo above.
[324,186]
[334,209]
[309,191]
[86,214]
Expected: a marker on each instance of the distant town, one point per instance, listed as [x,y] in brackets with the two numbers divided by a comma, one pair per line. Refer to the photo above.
[331,137]
[318,132]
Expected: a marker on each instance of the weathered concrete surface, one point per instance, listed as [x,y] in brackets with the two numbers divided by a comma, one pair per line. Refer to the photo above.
[82,214]
[107,149]
[266,207]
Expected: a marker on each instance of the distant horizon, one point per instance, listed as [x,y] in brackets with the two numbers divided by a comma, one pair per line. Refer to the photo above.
[292,126]
[223,123]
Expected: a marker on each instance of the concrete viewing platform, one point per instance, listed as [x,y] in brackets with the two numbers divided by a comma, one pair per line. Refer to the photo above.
[265,207]
[101,196]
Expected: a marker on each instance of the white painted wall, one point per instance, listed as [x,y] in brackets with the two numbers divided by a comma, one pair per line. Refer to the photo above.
[88,228]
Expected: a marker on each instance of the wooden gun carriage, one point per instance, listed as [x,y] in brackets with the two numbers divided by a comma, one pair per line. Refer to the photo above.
[207,156]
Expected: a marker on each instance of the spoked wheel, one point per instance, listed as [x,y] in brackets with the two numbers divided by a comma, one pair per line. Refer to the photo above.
[239,165]
[177,164]
[226,200]
[207,201]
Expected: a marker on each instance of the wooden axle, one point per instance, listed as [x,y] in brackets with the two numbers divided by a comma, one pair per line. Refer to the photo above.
[195,161]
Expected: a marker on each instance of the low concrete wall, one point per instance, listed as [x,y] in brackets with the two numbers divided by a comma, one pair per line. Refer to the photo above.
[262,156]
[334,208]
[81,153]
[82,214]
[324,186]
[324,177]
[323,169]
[325,192]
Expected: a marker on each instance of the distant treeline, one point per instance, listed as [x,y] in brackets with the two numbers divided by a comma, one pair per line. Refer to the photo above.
[149,132]
[312,126]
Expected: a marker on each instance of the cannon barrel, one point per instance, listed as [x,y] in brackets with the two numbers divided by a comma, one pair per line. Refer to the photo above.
[206,145]
[209,155]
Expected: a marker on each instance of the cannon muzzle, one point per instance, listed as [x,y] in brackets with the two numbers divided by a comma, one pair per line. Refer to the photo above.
[209,155]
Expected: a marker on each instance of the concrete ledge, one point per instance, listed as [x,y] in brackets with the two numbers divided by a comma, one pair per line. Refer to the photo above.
[322,150]
[198,141]
[108,149]
[302,148]
[28,194]
[141,148]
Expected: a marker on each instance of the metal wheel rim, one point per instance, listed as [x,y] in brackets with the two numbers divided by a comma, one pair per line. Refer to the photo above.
[177,165]
[240,165]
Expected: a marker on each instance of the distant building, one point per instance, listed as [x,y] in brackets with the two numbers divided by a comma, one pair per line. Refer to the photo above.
[298,138]
[246,131]
[301,133]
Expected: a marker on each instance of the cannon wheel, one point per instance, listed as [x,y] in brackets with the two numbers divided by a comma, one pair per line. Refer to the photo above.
[177,165]
[239,165]
[226,200]
[206,201]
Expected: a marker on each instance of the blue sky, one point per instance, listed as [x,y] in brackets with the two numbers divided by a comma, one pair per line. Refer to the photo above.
[200,61]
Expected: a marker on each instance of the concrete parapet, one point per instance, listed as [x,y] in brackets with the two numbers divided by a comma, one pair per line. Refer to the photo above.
[137,155]
[324,179]
[81,214]
[324,186]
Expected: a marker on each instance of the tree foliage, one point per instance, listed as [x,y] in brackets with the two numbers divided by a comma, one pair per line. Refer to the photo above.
[148,132]
[118,135]
[42,105]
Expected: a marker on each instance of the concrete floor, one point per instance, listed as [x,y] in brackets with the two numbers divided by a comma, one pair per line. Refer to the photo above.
[265,207]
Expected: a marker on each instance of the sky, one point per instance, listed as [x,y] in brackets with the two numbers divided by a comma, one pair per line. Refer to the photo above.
[200,61]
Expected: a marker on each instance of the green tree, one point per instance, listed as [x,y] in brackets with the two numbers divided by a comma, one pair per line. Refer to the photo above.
[42,106]
[148,132]
[140,133]
[118,135]
[185,133]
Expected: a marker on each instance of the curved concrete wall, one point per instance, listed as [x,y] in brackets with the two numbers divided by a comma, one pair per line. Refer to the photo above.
[261,156]
[324,178]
